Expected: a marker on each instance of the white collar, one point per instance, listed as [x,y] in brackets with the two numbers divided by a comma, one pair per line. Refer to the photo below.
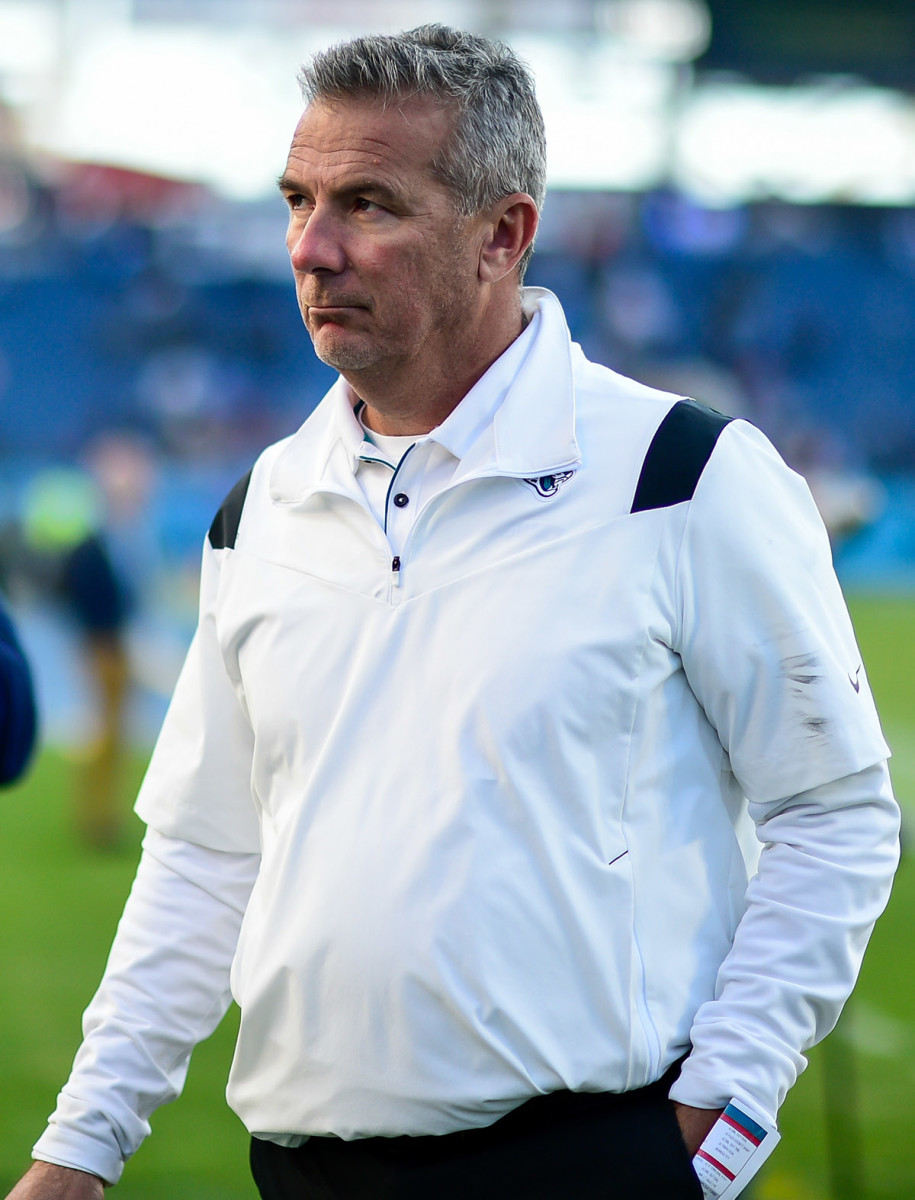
[390,447]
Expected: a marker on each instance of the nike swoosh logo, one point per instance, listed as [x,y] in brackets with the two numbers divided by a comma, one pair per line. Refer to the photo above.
[855,680]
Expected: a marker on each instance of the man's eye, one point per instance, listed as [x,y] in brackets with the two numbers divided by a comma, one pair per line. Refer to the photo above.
[295,201]
[365,205]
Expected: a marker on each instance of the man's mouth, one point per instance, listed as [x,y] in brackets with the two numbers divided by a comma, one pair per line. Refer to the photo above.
[319,315]
[333,306]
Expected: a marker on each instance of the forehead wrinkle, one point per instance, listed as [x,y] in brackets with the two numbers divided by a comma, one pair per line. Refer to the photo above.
[353,167]
[347,171]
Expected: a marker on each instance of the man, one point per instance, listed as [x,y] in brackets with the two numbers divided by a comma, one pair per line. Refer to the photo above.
[500,658]
[17,704]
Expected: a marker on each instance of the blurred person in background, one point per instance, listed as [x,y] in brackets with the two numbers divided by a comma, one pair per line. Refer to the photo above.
[523,782]
[62,552]
[17,704]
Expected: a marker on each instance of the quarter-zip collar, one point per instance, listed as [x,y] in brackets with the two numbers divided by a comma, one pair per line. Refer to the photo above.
[518,419]
[322,455]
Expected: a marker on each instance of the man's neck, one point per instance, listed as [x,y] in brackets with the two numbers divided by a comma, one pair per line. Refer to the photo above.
[411,405]
[397,419]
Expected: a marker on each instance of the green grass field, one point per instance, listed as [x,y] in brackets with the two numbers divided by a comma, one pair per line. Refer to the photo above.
[60,905]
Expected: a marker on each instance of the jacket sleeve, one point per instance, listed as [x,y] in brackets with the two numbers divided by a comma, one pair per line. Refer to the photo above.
[17,704]
[769,651]
[165,988]
[166,984]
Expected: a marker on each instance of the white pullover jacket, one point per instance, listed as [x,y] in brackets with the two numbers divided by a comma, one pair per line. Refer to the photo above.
[509,777]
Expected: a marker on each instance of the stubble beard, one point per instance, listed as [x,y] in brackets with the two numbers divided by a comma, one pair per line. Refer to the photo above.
[345,358]
[338,349]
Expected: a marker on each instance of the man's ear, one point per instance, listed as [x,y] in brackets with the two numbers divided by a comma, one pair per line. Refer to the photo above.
[510,229]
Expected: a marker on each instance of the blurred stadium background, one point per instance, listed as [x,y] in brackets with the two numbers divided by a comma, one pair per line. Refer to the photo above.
[730,215]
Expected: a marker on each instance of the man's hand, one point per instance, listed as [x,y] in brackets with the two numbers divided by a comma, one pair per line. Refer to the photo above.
[45,1181]
[694,1124]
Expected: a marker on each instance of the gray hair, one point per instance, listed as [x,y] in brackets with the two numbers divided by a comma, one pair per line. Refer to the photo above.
[497,146]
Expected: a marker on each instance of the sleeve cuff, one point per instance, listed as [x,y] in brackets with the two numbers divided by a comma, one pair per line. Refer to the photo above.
[81,1152]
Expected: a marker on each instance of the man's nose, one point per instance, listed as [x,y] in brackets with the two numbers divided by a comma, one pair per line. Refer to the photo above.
[315,243]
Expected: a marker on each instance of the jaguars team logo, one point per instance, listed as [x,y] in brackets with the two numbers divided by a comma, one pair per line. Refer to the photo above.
[546,486]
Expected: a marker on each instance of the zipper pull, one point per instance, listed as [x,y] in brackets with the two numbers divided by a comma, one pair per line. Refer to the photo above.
[395,568]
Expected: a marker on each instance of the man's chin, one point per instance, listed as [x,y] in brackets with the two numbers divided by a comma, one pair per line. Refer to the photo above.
[343,357]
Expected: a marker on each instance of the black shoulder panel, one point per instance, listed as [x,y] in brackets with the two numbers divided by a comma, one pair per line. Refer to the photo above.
[224,529]
[679,450]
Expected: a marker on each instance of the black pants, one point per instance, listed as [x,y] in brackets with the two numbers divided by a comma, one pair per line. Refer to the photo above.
[564,1146]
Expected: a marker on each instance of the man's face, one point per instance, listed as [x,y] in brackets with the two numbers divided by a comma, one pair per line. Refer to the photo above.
[384,267]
